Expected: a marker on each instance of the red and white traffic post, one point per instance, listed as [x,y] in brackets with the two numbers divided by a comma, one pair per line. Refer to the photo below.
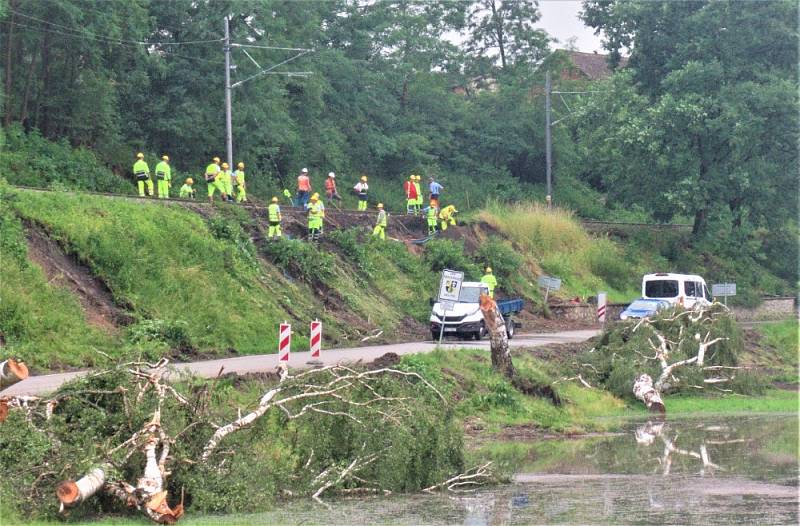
[601,307]
[284,342]
[315,342]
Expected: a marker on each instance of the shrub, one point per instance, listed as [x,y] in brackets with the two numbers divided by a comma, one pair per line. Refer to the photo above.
[300,259]
[444,253]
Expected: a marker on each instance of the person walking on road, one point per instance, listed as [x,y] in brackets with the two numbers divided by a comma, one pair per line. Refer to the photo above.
[141,172]
[316,213]
[432,213]
[418,188]
[490,281]
[411,194]
[361,188]
[274,216]
[435,189]
[211,176]
[330,188]
[238,182]
[164,177]
[380,224]
[303,188]
[186,191]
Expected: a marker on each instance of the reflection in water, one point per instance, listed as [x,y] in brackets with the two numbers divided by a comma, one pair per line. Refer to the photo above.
[719,471]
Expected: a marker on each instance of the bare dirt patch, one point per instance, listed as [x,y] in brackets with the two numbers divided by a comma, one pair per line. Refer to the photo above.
[65,271]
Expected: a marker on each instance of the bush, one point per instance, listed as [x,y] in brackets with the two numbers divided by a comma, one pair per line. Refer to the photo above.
[443,254]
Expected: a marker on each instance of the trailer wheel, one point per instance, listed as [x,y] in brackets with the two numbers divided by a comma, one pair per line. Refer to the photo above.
[510,328]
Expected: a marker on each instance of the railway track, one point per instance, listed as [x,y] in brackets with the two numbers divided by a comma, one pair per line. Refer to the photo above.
[588,224]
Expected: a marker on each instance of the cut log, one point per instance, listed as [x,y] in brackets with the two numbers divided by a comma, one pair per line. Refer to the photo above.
[11,372]
[71,492]
[498,337]
[643,390]
[3,409]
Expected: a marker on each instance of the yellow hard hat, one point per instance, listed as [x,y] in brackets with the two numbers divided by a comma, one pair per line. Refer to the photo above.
[140,155]
[240,165]
[165,157]
[363,177]
[216,160]
[189,180]
[224,165]
[488,270]
[274,199]
[380,205]
[315,197]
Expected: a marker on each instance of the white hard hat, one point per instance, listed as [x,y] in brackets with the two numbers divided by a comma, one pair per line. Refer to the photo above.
[304,170]
[331,174]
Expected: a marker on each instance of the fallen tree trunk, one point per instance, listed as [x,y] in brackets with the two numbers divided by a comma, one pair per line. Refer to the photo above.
[11,372]
[71,492]
[643,390]
[498,337]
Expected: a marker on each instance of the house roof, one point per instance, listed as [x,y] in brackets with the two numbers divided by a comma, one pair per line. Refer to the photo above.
[593,65]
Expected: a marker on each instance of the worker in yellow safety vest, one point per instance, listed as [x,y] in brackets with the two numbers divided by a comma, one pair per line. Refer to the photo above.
[186,191]
[164,177]
[447,216]
[490,281]
[225,179]
[238,182]
[274,216]
[380,225]
[211,175]
[316,213]
[418,187]
[141,172]
[432,213]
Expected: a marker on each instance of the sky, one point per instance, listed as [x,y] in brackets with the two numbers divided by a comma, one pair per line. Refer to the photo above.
[560,20]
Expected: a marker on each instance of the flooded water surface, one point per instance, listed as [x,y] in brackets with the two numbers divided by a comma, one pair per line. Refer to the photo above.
[735,470]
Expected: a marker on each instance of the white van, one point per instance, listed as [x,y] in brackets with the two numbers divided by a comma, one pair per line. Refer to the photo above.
[678,289]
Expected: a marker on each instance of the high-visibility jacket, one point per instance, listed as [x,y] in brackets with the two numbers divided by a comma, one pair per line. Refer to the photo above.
[431,216]
[361,188]
[186,191]
[330,185]
[140,169]
[410,189]
[304,183]
[163,171]
[381,218]
[239,175]
[316,211]
[418,189]
[491,281]
[447,212]
[211,171]
[224,176]
[274,211]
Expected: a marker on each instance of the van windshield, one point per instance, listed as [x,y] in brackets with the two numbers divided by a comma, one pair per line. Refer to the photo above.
[469,295]
[662,288]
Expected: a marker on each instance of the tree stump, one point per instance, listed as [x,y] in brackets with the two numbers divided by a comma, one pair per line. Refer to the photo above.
[11,372]
[498,337]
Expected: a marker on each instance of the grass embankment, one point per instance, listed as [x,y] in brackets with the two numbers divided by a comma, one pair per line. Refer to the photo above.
[777,350]
[193,285]
[554,243]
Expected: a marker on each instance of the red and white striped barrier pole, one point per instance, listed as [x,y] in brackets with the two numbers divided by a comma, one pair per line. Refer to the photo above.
[315,342]
[601,307]
[284,342]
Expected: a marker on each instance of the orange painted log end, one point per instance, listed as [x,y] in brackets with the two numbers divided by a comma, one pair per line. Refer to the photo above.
[3,410]
[68,492]
[19,369]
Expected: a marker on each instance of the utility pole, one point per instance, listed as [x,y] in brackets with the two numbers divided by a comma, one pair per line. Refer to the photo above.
[228,120]
[548,139]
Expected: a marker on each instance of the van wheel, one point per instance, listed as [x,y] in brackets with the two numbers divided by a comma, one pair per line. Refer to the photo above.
[435,336]
[510,328]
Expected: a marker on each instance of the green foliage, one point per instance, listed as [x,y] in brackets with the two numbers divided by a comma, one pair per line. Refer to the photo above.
[625,351]
[445,253]
[354,248]
[300,259]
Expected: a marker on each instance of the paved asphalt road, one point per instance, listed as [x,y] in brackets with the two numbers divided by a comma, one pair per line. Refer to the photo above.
[267,362]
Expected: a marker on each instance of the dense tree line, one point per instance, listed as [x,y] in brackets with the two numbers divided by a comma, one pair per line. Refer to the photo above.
[701,125]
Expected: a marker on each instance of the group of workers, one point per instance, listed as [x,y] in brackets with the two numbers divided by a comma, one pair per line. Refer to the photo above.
[231,185]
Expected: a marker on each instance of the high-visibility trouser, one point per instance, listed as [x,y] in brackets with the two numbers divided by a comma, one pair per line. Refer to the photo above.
[274,229]
[228,188]
[450,220]
[215,185]
[362,202]
[163,189]
[241,193]
[431,226]
[314,227]
[411,204]
[141,184]
[380,231]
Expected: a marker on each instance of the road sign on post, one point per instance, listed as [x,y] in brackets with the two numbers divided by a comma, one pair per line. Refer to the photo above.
[601,307]
[284,342]
[449,292]
[723,290]
[548,283]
